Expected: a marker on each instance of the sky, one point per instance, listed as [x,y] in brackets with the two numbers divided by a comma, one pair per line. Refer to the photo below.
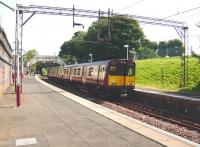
[47,33]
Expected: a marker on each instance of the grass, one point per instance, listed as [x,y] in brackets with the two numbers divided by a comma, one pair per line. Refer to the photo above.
[166,74]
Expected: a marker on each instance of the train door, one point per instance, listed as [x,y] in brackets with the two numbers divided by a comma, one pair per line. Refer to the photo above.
[70,73]
[102,72]
[84,74]
[98,74]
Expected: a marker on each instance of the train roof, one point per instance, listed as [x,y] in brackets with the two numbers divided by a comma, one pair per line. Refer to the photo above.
[93,63]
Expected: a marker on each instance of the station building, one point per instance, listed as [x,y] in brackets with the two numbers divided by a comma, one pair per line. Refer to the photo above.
[5,62]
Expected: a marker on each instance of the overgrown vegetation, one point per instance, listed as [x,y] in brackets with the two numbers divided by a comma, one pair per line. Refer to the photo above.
[165,73]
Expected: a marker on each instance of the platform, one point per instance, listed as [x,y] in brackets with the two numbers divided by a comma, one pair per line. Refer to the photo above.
[49,117]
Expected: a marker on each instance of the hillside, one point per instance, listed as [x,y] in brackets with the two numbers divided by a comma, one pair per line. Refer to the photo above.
[165,73]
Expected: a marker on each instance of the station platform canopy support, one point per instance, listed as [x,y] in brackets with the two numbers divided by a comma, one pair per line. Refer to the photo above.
[180,27]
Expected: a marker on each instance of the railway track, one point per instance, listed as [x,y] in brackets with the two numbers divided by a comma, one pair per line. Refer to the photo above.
[159,114]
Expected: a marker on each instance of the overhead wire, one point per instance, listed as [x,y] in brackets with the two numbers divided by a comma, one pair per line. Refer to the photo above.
[184,17]
[179,13]
[131,5]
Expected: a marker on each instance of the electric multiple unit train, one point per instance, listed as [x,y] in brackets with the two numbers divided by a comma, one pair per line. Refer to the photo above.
[115,76]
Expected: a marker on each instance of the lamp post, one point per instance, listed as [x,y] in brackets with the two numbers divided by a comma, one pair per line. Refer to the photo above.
[126,51]
[133,52]
[90,57]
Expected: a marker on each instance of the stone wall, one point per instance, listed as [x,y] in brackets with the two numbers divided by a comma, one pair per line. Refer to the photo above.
[5,62]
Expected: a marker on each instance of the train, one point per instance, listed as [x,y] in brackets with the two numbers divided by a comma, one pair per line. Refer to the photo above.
[111,77]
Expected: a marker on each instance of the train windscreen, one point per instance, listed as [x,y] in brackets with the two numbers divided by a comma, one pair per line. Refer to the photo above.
[130,70]
[122,69]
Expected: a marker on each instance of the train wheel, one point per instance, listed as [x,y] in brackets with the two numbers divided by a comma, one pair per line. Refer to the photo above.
[104,93]
[123,93]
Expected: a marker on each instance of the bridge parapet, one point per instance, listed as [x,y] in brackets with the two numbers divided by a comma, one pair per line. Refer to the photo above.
[45,58]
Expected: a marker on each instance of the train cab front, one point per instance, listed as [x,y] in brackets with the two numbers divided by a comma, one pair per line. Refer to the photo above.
[121,77]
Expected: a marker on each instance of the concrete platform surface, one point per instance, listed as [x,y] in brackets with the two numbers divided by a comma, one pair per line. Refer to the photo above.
[48,119]
[53,117]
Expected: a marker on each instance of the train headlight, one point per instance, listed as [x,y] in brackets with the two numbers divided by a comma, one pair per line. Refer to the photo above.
[113,83]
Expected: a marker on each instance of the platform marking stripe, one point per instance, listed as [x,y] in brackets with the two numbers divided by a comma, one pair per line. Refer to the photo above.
[25,141]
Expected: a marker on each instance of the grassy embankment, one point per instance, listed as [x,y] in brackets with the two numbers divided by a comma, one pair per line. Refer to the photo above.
[165,73]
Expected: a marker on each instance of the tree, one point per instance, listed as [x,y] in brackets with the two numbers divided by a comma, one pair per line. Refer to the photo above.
[146,43]
[29,55]
[175,48]
[145,53]
[74,49]
[69,59]
[171,48]
[196,56]
[162,49]
[97,41]
[147,49]
[123,31]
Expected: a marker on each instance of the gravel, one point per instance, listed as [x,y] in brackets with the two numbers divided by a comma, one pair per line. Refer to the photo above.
[166,126]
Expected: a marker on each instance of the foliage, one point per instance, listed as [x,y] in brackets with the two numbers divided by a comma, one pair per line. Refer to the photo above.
[171,48]
[29,55]
[196,56]
[33,68]
[145,43]
[69,59]
[97,41]
[145,53]
[165,73]
[123,31]
[74,49]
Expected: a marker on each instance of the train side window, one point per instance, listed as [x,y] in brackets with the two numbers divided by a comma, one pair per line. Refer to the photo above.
[79,71]
[103,69]
[74,73]
[90,71]
[67,72]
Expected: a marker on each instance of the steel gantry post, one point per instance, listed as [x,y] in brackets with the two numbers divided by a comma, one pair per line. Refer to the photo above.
[19,56]
[18,91]
[183,34]
[185,55]
[21,49]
